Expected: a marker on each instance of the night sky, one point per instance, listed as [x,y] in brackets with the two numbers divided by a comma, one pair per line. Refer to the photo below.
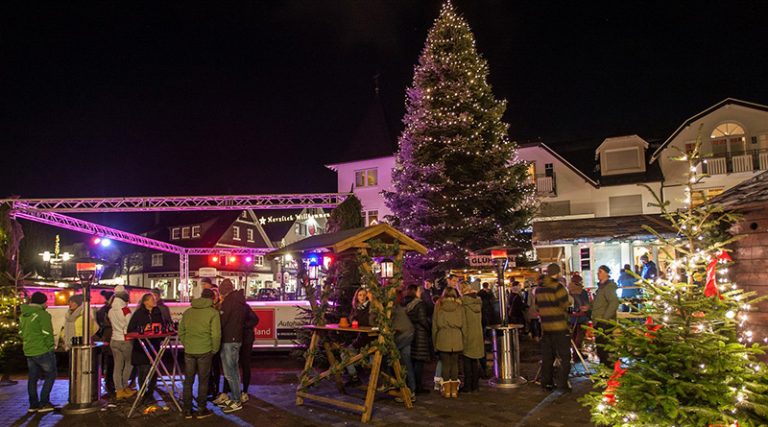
[160,98]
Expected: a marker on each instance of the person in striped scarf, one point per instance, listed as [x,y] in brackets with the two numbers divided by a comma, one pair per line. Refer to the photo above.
[552,303]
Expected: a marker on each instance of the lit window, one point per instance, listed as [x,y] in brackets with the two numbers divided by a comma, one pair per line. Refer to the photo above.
[727,138]
[236,233]
[366,178]
[727,129]
[258,260]
[250,235]
[372,217]
[175,233]
[157,260]
[195,231]
[185,232]
[700,196]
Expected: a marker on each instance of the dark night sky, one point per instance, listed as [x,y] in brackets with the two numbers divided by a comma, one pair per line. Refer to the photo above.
[102,99]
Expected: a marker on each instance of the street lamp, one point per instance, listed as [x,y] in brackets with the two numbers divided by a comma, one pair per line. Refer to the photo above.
[56,259]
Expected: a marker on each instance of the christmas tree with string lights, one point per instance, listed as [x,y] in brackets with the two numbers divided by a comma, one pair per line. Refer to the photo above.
[693,361]
[458,184]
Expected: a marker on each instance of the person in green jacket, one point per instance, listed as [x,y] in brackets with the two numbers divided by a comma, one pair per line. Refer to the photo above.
[474,342]
[448,328]
[36,332]
[200,333]
[604,308]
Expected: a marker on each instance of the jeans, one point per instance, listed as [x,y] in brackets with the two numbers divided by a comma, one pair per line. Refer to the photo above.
[121,352]
[405,362]
[42,366]
[245,366]
[199,364]
[555,345]
[230,356]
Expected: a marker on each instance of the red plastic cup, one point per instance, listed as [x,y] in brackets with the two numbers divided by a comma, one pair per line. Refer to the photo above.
[355,324]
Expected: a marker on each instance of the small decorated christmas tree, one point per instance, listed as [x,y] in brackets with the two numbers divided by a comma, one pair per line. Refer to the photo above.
[692,362]
[458,184]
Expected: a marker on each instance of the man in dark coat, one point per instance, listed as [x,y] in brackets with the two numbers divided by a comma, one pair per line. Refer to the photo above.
[232,321]
[421,349]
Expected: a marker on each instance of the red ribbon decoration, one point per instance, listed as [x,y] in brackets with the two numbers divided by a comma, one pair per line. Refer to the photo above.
[710,289]
[651,328]
[613,383]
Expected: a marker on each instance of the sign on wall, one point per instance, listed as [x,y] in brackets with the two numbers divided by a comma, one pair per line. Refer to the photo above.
[265,330]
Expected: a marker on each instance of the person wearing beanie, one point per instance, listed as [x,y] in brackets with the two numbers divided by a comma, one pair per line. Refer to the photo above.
[232,319]
[604,309]
[551,301]
[119,316]
[36,330]
[200,333]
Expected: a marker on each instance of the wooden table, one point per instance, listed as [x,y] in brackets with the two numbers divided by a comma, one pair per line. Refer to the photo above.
[309,378]
[155,356]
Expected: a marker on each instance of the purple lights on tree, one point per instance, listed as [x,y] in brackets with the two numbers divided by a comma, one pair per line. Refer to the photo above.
[458,185]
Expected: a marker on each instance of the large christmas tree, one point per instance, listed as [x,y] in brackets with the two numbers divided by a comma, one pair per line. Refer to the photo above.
[693,361]
[458,184]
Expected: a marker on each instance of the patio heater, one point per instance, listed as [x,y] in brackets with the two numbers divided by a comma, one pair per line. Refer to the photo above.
[84,360]
[506,341]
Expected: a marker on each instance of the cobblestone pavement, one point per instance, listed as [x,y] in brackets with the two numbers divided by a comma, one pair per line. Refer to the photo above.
[273,403]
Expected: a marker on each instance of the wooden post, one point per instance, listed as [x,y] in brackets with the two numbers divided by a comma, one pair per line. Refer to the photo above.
[333,364]
[307,365]
[372,383]
[405,392]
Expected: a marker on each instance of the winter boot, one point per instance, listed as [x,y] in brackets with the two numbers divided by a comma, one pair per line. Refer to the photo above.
[455,388]
[445,388]
[438,383]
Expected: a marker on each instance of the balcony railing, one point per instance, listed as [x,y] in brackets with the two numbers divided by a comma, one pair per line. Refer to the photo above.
[750,161]
[546,185]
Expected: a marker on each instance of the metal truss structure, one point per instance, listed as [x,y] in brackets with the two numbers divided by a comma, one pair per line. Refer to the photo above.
[180,203]
[74,224]
[48,211]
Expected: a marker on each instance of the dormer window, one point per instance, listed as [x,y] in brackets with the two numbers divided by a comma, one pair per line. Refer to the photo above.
[622,155]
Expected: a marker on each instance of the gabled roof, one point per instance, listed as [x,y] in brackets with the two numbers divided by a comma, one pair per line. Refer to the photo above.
[753,191]
[276,231]
[564,161]
[215,225]
[726,101]
[372,138]
[349,239]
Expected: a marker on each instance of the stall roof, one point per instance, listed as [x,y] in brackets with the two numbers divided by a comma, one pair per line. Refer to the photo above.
[602,229]
[348,239]
[751,192]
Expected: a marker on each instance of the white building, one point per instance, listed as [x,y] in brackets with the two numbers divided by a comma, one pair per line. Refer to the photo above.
[594,195]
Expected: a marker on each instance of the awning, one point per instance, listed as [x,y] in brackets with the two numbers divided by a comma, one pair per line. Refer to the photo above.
[602,229]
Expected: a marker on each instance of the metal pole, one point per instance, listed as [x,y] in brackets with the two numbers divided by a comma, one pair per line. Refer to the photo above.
[506,347]
[184,290]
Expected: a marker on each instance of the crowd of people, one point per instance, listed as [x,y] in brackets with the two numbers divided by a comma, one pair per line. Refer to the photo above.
[216,332]
[447,323]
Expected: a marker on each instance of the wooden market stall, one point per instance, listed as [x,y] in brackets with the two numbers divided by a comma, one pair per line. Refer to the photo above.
[358,241]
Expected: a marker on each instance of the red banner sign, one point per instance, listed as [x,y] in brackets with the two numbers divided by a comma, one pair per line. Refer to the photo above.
[265,330]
